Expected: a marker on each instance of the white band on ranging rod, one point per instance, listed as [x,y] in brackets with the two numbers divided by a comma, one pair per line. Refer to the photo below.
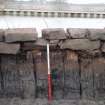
[49,75]
[48,59]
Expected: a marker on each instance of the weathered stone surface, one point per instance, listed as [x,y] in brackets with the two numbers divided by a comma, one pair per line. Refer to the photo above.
[54,42]
[1,35]
[71,76]
[34,45]
[80,44]
[20,34]
[53,34]
[67,35]
[92,53]
[9,48]
[95,52]
[103,47]
[41,42]
[96,34]
[77,32]
[87,81]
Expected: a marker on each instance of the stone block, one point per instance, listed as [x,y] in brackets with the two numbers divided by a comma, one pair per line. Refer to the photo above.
[20,35]
[53,34]
[6,48]
[39,43]
[1,35]
[96,34]
[77,33]
[80,44]
[103,47]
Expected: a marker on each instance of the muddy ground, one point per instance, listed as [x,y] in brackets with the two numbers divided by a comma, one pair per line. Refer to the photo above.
[17,101]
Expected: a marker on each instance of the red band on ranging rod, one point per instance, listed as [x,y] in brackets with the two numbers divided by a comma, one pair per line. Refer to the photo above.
[49,87]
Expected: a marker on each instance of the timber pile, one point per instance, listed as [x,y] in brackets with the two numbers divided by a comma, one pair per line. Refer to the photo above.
[77,63]
[83,61]
[16,65]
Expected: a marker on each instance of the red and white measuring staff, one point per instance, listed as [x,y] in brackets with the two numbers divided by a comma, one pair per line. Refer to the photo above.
[49,74]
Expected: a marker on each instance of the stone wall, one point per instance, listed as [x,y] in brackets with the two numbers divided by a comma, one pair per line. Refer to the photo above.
[77,63]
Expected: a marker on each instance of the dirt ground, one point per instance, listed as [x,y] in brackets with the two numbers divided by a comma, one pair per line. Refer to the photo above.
[17,101]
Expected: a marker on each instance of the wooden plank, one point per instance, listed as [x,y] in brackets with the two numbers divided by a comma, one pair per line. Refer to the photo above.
[99,77]
[87,79]
[72,77]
